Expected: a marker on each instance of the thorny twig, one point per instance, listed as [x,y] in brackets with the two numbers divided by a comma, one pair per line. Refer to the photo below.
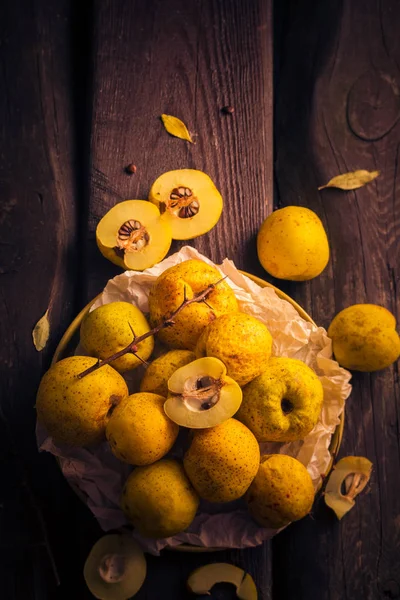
[168,322]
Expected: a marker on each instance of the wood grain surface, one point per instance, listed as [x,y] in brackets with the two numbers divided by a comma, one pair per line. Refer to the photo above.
[82,88]
[337,110]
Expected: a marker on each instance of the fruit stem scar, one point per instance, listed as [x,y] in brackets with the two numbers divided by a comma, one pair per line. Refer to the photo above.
[133,346]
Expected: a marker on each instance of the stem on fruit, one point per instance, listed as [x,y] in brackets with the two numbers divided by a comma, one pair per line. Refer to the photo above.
[168,322]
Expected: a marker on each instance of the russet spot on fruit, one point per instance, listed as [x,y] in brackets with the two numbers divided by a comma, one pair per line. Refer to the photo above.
[132,235]
[188,201]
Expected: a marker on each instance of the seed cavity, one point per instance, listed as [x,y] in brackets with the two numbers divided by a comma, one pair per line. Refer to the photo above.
[132,236]
[201,393]
[182,203]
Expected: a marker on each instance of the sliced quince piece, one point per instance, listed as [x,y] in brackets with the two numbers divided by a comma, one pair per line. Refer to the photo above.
[201,394]
[203,579]
[353,472]
[115,568]
[188,201]
[133,236]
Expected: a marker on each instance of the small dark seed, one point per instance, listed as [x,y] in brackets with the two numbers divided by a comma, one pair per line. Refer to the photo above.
[228,110]
[206,405]
[131,169]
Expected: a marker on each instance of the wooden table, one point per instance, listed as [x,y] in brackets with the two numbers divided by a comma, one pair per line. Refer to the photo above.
[83,85]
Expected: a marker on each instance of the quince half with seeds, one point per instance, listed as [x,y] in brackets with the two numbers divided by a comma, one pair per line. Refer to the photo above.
[202,395]
[188,201]
[181,282]
[132,235]
[115,568]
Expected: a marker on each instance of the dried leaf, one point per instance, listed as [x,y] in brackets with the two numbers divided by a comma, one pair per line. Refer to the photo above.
[352,471]
[351,181]
[176,127]
[41,332]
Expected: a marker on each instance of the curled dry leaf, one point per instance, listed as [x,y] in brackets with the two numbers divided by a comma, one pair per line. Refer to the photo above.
[176,127]
[351,180]
[41,332]
[351,473]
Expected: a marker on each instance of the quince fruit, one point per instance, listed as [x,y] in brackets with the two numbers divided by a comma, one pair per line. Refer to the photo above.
[222,461]
[109,328]
[160,370]
[202,395]
[203,579]
[132,235]
[241,341]
[281,492]
[75,410]
[188,202]
[182,281]
[364,338]
[292,244]
[159,500]
[139,432]
[283,403]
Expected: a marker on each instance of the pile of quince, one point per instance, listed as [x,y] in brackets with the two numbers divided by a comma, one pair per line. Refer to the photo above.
[213,375]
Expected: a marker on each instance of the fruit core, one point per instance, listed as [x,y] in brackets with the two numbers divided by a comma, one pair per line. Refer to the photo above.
[201,393]
[286,406]
[182,203]
[132,237]
[112,568]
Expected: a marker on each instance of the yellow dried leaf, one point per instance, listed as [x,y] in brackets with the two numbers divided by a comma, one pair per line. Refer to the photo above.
[176,127]
[351,180]
[352,471]
[41,332]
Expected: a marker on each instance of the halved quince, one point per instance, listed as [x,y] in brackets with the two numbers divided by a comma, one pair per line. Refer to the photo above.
[115,568]
[188,201]
[201,395]
[201,580]
[352,473]
[133,236]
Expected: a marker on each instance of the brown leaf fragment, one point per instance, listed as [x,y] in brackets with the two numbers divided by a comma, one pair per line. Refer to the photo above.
[176,127]
[351,181]
[41,332]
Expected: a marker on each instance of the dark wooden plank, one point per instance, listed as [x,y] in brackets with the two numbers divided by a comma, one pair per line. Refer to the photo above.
[40,518]
[337,93]
[187,59]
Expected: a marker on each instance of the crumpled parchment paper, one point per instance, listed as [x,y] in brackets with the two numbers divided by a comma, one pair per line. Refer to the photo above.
[98,477]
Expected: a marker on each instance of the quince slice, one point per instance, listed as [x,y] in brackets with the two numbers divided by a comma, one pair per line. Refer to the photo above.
[203,579]
[115,568]
[353,472]
[188,201]
[201,394]
[132,235]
